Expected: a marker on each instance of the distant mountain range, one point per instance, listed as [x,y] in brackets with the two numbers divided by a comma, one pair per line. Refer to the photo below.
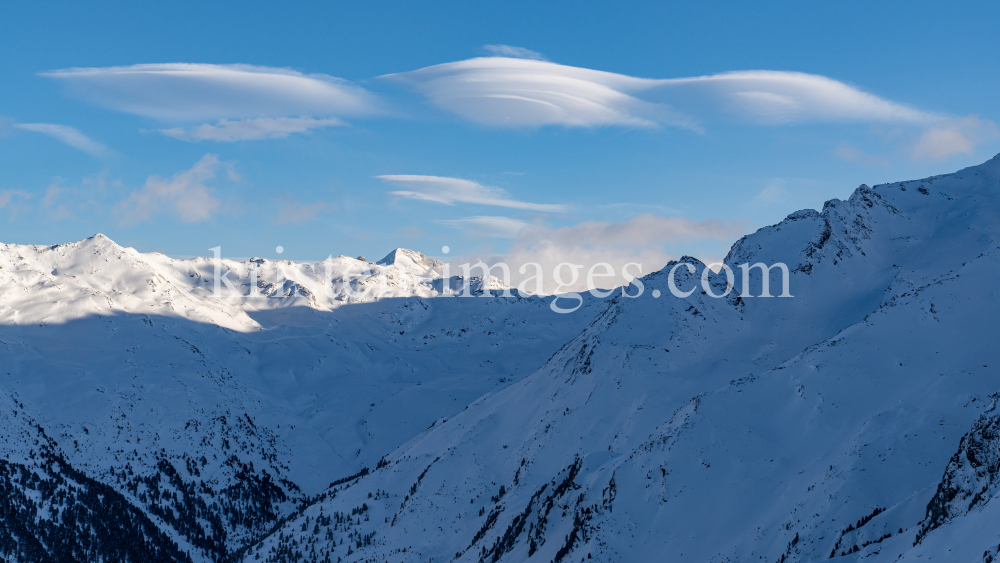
[147,418]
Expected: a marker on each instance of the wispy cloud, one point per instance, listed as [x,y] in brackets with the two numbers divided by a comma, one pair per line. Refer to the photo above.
[13,201]
[954,136]
[6,125]
[644,239]
[450,191]
[513,52]
[785,194]
[849,153]
[67,199]
[486,226]
[639,230]
[185,195]
[518,92]
[299,213]
[7,196]
[70,200]
[69,136]
[227,131]
[62,202]
[772,193]
[244,102]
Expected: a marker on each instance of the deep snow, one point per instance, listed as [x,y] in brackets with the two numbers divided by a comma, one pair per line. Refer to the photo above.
[846,422]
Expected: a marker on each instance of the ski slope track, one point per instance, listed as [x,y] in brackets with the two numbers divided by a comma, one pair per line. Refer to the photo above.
[855,421]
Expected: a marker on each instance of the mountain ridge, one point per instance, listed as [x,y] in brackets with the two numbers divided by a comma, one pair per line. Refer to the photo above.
[581,433]
[226,413]
[830,424]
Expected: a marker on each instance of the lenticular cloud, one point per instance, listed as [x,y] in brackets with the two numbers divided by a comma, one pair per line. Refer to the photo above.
[509,92]
[449,191]
[194,92]
[514,92]
[780,97]
[499,91]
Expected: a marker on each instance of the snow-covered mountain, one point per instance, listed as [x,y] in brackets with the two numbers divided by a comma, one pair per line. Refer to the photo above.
[216,416]
[828,425]
[855,420]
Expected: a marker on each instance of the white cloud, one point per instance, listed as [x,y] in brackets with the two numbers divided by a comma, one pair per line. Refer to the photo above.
[954,136]
[772,193]
[61,202]
[196,92]
[515,92]
[14,199]
[849,153]
[185,195]
[227,131]
[68,135]
[486,226]
[6,124]
[781,97]
[644,239]
[7,196]
[449,191]
[509,92]
[67,201]
[513,52]
[516,88]
[784,194]
[299,213]
[641,230]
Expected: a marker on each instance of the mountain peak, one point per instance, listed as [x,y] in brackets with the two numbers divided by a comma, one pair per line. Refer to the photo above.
[99,240]
[411,261]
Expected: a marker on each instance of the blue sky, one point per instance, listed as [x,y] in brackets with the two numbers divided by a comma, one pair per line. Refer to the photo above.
[584,130]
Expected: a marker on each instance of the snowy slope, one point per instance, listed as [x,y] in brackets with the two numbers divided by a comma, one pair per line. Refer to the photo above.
[300,418]
[50,512]
[848,422]
[216,416]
